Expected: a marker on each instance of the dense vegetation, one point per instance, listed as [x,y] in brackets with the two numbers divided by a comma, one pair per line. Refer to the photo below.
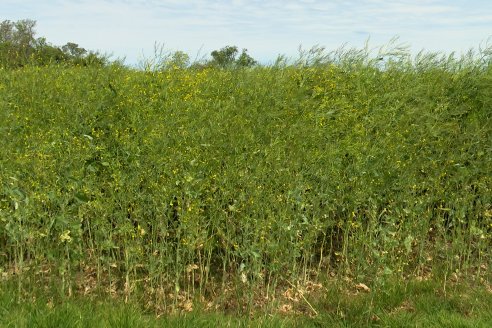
[19,47]
[231,187]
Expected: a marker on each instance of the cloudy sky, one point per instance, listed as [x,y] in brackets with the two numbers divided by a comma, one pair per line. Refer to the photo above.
[131,28]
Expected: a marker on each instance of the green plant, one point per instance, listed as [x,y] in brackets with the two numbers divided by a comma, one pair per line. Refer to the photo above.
[179,185]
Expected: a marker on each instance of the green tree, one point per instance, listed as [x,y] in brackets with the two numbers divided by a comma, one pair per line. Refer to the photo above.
[227,58]
[19,47]
[16,42]
[224,57]
[46,53]
[73,50]
[178,59]
[245,60]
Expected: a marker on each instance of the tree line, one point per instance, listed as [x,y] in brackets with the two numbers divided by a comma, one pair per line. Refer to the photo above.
[20,47]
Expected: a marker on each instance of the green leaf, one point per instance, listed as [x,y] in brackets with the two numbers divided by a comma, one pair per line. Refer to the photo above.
[408,243]
[81,197]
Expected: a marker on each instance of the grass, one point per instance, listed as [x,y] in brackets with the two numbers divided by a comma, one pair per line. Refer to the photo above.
[242,191]
[415,304]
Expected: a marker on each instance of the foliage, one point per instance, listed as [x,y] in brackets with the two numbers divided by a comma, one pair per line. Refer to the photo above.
[19,47]
[227,57]
[181,184]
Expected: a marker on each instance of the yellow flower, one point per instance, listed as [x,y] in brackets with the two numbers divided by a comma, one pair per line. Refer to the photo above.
[65,237]
[141,230]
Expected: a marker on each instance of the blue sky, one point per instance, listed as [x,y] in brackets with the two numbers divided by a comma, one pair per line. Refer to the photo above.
[130,28]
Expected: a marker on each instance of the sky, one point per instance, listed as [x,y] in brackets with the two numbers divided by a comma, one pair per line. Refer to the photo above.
[130,29]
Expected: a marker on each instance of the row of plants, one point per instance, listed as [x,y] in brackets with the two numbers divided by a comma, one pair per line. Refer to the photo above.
[186,184]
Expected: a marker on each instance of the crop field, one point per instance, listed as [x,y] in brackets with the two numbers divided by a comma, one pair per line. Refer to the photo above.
[245,190]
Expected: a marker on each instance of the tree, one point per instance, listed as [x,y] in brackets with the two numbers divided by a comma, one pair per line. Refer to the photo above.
[226,58]
[245,60]
[178,59]
[73,50]
[20,47]
[46,54]
[6,31]
[16,42]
